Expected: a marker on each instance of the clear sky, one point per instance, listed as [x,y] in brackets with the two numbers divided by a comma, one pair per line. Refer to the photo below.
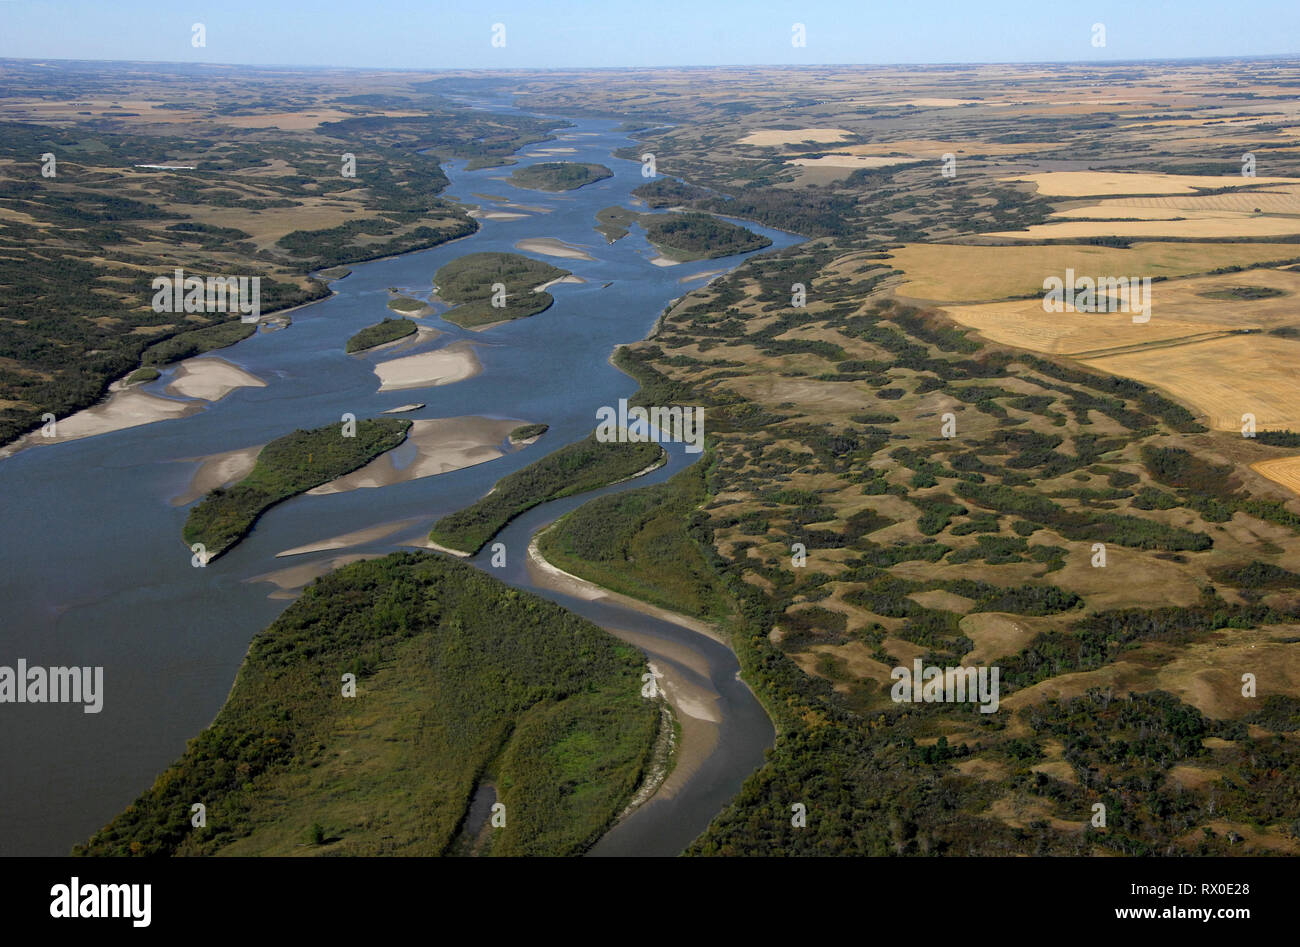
[433,34]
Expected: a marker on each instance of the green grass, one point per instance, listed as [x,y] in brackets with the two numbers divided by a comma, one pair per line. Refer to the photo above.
[459,677]
[640,543]
[390,330]
[467,283]
[559,175]
[286,467]
[577,468]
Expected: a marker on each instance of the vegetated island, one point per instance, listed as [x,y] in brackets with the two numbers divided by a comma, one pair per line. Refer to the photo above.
[410,307]
[559,175]
[579,467]
[682,237]
[467,281]
[381,333]
[527,432]
[286,467]
[466,683]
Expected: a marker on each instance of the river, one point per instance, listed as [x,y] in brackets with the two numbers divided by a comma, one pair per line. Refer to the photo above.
[93,571]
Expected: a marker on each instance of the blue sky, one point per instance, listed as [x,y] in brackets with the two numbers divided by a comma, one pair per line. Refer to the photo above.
[432,34]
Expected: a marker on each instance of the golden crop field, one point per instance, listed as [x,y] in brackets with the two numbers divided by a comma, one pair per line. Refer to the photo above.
[949,273]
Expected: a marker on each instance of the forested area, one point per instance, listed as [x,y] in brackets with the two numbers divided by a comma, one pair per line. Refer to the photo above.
[463,679]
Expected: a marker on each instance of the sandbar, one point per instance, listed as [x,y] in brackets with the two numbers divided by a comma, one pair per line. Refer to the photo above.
[218,470]
[561,279]
[442,445]
[357,538]
[454,363]
[210,379]
[549,246]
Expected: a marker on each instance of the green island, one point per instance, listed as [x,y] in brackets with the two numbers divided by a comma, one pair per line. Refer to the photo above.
[286,467]
[579,467]
[682,237]
[559,175]
[461,682]
[390,330]
[525,431]
[466,282]
[408,306]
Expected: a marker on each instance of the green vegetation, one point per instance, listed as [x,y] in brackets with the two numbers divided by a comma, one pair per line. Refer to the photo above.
[640,543]
[577,468]
[559,175]
[467,283]
[141,375]
[695,236]
[286,467]
[525,431]
[407,304]
[459,679]
[196,342]
[689,236]
[390,330]
[613,222]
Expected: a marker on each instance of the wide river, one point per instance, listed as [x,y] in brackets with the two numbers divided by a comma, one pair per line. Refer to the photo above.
[93,571]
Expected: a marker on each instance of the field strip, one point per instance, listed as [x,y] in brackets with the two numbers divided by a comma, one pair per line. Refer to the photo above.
[1156,344]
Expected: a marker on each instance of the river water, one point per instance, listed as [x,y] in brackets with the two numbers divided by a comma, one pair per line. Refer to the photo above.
[93,571]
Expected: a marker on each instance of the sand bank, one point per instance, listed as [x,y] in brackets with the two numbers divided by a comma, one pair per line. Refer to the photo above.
[124,408]
[218,470]
[442,445]
[291,581]
[454,363]
[403,408]
[357,538]
[210,379]
[562,279]
[495,215]
[549,246]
